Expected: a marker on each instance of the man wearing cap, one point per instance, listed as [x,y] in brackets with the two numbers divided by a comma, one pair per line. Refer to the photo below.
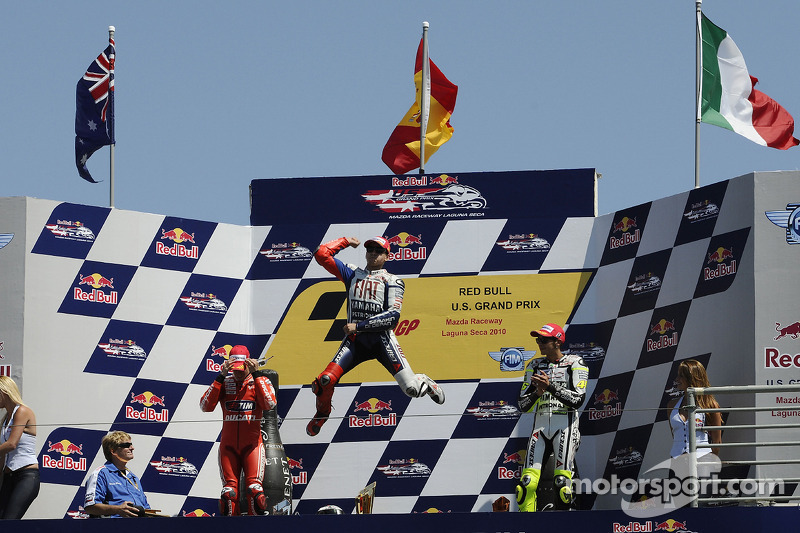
[244,395]
[554,388]
[374,299]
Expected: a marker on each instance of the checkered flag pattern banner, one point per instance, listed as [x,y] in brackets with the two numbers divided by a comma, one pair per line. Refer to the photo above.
[128,317]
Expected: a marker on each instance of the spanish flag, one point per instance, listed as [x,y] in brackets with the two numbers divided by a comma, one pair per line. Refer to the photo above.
[401,153]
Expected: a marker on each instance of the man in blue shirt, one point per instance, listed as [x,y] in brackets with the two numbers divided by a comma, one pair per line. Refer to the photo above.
[113,490]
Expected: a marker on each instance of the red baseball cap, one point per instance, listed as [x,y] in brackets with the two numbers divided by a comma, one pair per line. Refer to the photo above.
[239,354]
[380,241]
[550,330]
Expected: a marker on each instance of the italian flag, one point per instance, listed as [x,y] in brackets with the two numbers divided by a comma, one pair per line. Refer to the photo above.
[729,98]
[401,153]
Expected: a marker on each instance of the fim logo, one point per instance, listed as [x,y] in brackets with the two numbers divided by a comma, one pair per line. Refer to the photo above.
[65,448]
[513,358]
[788,220]
[373,406]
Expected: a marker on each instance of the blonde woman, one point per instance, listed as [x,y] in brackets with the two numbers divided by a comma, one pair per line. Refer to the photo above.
[20,481]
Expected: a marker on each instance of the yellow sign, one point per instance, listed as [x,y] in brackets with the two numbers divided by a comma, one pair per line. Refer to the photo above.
[447,328]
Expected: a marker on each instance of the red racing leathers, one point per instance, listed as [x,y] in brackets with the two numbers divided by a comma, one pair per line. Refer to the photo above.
[240,447]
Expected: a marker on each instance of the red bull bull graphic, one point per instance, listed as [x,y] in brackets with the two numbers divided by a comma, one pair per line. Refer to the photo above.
[97,282]
[663,339]
[223,352]
[148,400]
[670,525]
[514,470]
[444,180]
[718,259]
[373,406]
[178,237]
[607,409]
[65,462]
[301,478]
[196,513]
[624,227]
[401,243]
[792,330]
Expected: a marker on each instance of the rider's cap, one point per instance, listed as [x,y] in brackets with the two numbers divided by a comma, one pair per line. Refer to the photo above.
[238,356]
[380,241]
[550,330]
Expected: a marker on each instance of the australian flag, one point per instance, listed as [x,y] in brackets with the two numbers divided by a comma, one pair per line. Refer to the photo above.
[94,112]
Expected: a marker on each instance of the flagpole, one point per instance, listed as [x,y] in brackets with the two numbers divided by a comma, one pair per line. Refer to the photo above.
[111,31]
[698,90]
[425,97]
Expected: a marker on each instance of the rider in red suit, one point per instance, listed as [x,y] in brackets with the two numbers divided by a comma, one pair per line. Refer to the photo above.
[243,396]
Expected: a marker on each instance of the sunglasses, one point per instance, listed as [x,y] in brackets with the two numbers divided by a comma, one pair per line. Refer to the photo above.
[125,445]
[375,250]
[544,340]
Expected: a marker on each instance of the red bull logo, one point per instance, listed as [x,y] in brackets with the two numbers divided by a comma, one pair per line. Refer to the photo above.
[515,471]
[301,478]
[65,462]
[792,330]
[720,269]
[670,525]
[97,282]
[444,180]
[375,419]
[402,252]
[148,400]
[195,514]
[719,255]
[606,397]
[624,226]
[222,351]
[373,405]
[178,236]
[661,329]
[631,527]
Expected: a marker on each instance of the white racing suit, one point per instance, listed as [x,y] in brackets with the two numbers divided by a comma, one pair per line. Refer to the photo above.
[374,301]
[555,422]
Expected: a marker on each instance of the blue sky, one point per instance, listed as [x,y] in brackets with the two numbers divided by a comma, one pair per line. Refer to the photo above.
[211,95]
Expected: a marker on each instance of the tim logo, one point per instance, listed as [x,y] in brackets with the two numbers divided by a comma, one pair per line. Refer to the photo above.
[788,220]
